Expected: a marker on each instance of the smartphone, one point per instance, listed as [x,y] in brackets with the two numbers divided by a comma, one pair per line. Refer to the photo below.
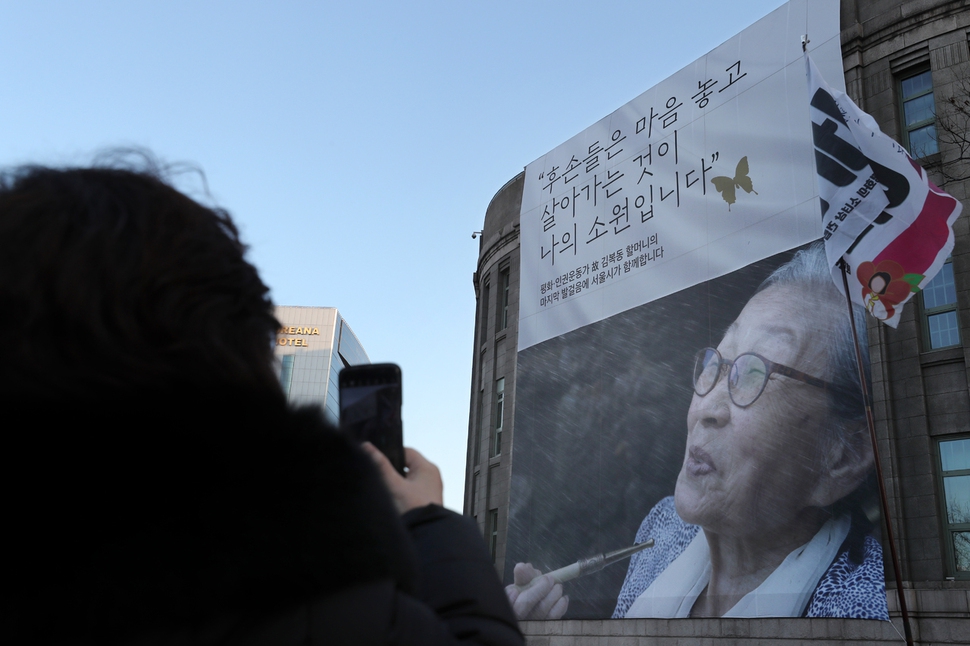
[370,408]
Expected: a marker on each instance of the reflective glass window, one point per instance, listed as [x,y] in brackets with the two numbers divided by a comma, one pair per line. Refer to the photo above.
[499,416]
[503,308]
[919,114]
[941,327]
[955,475]
[350,349]
[286,373]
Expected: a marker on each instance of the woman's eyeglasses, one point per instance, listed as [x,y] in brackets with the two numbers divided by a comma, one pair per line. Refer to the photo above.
[747,375]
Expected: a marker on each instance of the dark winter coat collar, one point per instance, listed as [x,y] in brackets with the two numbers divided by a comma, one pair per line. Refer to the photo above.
[146,511]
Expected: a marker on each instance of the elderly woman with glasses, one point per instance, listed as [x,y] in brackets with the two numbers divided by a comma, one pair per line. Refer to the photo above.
[768,513]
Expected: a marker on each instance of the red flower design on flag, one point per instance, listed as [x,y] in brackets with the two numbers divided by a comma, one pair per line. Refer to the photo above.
[886,284]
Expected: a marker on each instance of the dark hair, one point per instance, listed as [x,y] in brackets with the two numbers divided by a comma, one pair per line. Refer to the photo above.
[809,269]
[111,279]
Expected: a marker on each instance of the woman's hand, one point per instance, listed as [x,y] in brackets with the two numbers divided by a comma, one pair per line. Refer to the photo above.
[534,596]
[421,487]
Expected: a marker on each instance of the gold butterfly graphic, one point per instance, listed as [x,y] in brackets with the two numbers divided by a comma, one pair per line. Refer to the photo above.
[726,185]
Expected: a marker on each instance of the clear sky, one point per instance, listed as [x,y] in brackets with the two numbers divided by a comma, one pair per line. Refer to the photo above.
[357,144]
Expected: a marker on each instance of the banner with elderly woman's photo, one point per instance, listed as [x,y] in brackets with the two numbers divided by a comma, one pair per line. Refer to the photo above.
[684,380]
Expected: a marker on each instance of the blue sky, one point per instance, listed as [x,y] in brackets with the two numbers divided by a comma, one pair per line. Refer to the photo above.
[357,145]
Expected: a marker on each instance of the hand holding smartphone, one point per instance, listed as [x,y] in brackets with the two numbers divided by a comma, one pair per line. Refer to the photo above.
[370,408]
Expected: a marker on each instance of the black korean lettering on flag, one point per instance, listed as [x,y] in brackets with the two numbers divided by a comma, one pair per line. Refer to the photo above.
[840,162]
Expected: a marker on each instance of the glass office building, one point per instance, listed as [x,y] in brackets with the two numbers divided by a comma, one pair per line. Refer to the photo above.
[312,346]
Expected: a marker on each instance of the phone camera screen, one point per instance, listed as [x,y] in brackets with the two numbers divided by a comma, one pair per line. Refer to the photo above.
[371,412]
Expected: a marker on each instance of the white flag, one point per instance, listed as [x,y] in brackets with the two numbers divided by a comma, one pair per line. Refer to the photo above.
[880,213]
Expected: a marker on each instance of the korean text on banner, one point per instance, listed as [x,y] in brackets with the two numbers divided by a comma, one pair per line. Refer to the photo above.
[880,212]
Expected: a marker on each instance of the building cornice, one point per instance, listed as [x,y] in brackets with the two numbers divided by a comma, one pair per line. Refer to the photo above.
[497,245]
[860,39]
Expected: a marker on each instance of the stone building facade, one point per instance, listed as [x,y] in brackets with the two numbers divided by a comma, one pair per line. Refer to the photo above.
[904,60]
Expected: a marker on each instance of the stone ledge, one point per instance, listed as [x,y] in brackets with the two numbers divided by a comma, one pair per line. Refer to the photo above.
[670,632]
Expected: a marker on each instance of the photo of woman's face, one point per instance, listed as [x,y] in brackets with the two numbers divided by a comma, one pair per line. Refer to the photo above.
[601,448]
[748,471]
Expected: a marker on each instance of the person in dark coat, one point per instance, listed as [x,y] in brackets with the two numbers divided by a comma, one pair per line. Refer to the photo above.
[158,487]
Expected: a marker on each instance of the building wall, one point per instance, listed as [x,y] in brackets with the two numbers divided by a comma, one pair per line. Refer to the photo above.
[312,346]
[919,395]
[487,476]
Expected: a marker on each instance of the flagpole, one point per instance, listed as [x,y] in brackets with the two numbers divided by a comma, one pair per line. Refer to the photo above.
[875,452]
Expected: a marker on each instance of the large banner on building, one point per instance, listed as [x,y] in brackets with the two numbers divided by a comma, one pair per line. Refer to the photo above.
[666,395]
[700,175]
